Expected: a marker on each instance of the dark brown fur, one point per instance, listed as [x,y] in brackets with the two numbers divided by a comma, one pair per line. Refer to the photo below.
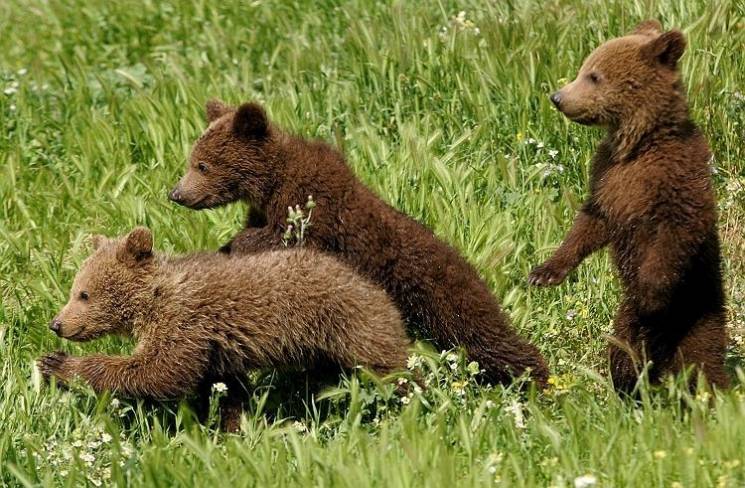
[206,318]
[651,200]
[242,157]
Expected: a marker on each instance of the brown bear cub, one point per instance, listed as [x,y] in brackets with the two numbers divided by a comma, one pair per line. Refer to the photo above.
[241,156]
[206,318]
[651,200]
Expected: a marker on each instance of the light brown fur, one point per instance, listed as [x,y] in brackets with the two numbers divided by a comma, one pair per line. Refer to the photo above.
[210,317]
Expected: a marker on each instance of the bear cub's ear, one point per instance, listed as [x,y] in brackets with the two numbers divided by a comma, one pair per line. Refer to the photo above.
[215,109]
[648,27]
[98,240]
[666,49]
[251,121]
[137,246]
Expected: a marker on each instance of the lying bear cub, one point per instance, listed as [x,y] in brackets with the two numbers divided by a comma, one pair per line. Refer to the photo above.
[651,200]
[243,157]
[206,318]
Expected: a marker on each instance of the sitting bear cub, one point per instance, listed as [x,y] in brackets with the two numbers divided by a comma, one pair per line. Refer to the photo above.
[206,318]
[651,200]
[242,157]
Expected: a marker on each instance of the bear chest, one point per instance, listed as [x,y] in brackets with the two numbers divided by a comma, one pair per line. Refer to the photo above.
[625,194]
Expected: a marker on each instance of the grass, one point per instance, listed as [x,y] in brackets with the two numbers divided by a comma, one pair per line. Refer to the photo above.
[101,103]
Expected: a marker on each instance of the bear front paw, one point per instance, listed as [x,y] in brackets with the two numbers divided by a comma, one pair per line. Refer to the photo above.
[53,365]
[547,274]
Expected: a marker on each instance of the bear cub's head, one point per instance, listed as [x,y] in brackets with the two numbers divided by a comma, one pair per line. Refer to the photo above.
[109,289]
[229,161]
[626,75]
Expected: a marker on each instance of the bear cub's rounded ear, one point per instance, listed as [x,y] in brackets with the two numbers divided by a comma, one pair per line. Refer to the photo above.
[251,121]
[648,27]
[137,245]
[215,109]
[666,49]
[98,240]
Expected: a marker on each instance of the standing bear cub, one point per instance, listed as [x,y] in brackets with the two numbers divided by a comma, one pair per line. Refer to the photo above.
[651,200]
[241,156]
[206,318]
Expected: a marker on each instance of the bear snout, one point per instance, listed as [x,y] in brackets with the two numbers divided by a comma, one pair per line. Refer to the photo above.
[55,325]
[176,196]
[556,99]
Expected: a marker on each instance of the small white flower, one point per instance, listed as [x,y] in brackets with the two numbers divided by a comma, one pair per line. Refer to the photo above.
[539,145]
[299,426]
[414,361]
[87,457]
[22,71]
[571,314]
[405,400]
[10,90]
[451,357]
[402,381]
[12,107]
[78,443]
[585,481]
[63,473]
[516,409]
[115,403]
[105,437]
[553,153]
[94,444]
[219,388]
[489,404]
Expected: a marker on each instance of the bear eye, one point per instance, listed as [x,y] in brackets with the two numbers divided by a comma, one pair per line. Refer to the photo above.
[84,295]
[594,78]
[202,167]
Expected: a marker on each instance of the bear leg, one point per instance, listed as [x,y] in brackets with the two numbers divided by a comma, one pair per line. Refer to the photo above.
[624,353]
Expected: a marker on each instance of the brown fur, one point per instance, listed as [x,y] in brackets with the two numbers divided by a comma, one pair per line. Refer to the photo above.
[243,157]
[205,318]
[651,200]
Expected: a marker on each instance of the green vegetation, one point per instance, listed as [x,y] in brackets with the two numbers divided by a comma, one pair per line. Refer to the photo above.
[447,118]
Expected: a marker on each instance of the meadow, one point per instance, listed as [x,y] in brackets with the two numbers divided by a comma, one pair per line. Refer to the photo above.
[442,108]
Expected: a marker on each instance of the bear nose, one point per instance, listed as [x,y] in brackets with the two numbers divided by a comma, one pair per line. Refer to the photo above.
[55,325]
[175,195]
[556,98]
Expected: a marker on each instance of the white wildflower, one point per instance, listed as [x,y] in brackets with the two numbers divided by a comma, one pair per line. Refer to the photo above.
[87,458]
[299,426]
[405,400]
[10,90]
[402,381]
[115,403]
[219,388]
[451,357]
[105,438]
[489,404]
[553,153]
[516,409]
[22,71]
[78,443]
[585,481]
[414,361]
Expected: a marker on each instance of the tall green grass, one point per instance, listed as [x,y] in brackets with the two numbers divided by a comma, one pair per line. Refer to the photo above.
[100,103]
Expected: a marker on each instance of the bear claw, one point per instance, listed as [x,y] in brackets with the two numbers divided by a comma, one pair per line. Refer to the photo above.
[546,275]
